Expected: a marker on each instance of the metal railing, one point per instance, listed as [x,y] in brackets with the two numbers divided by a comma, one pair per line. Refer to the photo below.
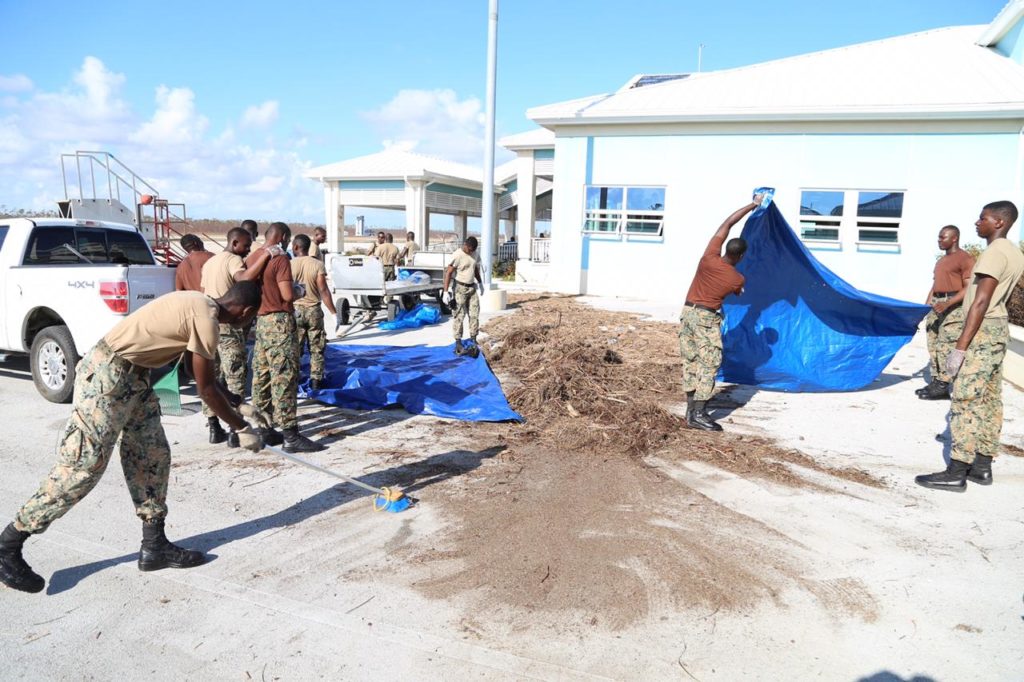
[117,174]
[509,251]
[540,250]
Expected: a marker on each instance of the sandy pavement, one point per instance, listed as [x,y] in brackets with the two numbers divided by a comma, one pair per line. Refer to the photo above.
[308,582]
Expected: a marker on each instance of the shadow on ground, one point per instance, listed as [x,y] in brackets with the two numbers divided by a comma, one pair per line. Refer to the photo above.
[410,477]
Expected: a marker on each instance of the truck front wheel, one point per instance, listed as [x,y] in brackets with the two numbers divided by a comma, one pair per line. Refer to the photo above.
[53,361]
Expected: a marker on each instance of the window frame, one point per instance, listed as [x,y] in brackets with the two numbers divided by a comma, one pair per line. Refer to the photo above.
[622,221]
[852,224]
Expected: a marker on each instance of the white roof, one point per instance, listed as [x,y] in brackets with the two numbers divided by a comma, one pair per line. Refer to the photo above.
[538,138]
[934,74]
[394,163]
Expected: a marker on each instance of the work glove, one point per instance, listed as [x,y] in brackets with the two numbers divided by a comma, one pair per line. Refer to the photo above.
[447,298]
[250,412]
[250,439]
[299,289]
[275,250]
[954,361]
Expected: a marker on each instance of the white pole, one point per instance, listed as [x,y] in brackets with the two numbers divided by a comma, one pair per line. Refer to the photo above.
[487,219]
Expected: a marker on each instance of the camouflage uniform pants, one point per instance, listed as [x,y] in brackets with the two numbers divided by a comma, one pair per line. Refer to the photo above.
[275,369]
[467,301]
[230,361]
[309,325]
[977,407]
[943,331]
[112,399]
[700,344]
[389,276]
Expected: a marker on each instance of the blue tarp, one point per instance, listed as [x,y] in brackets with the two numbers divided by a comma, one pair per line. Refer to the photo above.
[798,326]
[418,316]
[422,379]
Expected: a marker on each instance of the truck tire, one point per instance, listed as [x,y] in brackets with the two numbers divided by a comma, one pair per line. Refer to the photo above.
[410,301]
[392,310]
[344,309]
[53,359]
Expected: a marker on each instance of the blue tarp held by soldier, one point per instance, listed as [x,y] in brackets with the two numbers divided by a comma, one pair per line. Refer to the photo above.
[798,326]
[421,379]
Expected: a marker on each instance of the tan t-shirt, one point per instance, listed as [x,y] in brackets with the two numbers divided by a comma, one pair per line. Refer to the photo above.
[388,254]
[314,250]
[162,330]
[411,249]
[465,266]
[306,270]
[219,273]
[1004,261]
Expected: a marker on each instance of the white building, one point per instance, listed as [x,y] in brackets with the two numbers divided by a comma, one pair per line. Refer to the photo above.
[871,148]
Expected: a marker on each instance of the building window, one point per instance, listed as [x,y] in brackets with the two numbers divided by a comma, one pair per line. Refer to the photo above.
[826,213]
[821,211]
[624,210]
[878,217]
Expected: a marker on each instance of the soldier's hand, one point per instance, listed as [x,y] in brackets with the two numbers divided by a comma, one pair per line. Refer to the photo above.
[250,439]
[447,298]
[299,289]
[250,412]
[939,308]
[275,250]
[954,361]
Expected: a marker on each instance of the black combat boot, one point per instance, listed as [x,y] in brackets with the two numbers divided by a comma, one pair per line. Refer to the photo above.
[689,405]
[315,384]
[232,439]
[937,390]
[14,572]
[700,419]
[926,387]
[158,552]
[953,479]
[459,349]
[981,470]
[296,442]
[217,434]
[271,436]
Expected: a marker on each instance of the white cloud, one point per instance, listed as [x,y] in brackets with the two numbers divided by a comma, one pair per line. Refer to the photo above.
[432,122]
[260,116]
[19,82]
[215,173]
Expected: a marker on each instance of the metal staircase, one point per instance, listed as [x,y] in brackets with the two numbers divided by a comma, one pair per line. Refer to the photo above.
[97,186]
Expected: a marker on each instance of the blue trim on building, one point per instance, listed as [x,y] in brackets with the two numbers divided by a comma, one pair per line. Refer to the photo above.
[371,184]
[543,153]
[457,191]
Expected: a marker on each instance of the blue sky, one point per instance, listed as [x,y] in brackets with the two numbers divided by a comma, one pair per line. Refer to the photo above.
[223,105]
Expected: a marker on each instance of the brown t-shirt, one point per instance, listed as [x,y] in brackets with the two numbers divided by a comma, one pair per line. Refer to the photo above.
[306,270]
[952,271]
[162,330]
[715,279]
[219,273]
[278,270]
[188,276]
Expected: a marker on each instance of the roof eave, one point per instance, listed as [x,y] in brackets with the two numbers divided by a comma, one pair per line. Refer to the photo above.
[1016,110]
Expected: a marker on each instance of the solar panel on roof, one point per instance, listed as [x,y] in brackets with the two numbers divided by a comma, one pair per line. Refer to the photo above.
[654,79]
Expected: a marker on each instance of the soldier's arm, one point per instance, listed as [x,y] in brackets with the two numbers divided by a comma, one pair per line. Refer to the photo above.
[325,293]
[982,297]
[210,391]
[254,271]
[447,277]
[735,217]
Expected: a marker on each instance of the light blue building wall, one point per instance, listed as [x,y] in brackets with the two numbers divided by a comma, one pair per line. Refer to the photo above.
[946,171]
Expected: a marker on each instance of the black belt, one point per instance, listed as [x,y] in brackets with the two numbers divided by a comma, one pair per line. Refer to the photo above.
[944,294]
[471,284]
[701,307]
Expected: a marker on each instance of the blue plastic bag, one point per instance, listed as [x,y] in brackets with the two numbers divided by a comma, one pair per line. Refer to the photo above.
[415,317]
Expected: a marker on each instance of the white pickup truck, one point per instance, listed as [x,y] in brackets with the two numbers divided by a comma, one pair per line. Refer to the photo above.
[63,285]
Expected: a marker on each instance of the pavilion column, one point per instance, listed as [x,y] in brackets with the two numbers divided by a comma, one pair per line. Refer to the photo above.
[495,229]
[416,210]
[461,219]
[526,200]
[334,218]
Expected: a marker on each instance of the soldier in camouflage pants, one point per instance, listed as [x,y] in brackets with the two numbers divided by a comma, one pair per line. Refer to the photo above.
[275,369]
[467,301]
[943,329]
[309,323]
[700,344]
[977,408]
[231,364]
[112,398]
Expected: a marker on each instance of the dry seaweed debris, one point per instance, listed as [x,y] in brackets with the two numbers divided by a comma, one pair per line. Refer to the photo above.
[589,380]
